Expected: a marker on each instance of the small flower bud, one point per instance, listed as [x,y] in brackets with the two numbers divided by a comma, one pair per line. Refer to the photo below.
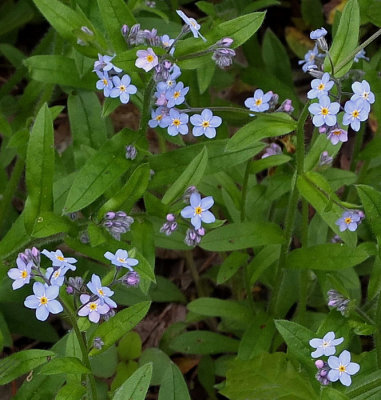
[98,343]
[110,215]
[86,30]
[131,152]
[170,217]
[319,364]
[188,192]
[315,72]
[225,42]
[131,279]
[325,158]
[125,29]
[69,290]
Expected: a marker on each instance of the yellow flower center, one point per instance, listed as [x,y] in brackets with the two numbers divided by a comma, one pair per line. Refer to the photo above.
[321,86]
[43,300]
[205,124]
[336,132]
[176,122]
[60,258]
[57,273]
[122,88]
[159,117]
[100,291]
[176,95]
[24,274]
[93,306]
[312,57]
[325,344]
[355,114]
[198,210]
[193,22]
[122,260]
[169,82]
[105,82]
[258,102]
[348,220]
[150,58]
[324,111]
[342,368]
[365,95]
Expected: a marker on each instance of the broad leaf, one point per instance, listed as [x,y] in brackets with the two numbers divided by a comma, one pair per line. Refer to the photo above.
[64,365]
[173,385]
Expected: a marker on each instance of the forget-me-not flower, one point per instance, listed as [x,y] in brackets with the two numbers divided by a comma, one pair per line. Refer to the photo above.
[260,101]
[272,150]
[309,59]
[92,309]
[157,118]
[320,87]
[177,122]
[192,23]
[21,274]
[56,276]
[59,260]
[342,368]
[167,42]
[122,88]
[336,135]
[104,83]
[324,112]
[147,59]
[360,55]
[176,95]
[104,64]
[355,112]
[362,91]
[349,220]
[43,300]
[325,346]
[197,211]
[103,292]
[205,124]
[318,33]
[121,259]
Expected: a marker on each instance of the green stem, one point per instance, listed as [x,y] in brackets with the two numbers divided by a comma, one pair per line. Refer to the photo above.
[11,189]
[219,108]
[364,316]
[357,49]
[193,270]
[303,276]
[146,107]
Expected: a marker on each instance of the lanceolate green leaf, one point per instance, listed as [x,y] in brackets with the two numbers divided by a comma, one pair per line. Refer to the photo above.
[40,167]
[345,40]
[191,176]
[173,385]
[371,200]
[64,365]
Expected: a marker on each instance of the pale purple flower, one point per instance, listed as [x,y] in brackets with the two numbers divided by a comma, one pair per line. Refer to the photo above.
[205,124]
[92,309]
[309,59]
[167,42]
[176,95]
[147,59]
[272,150]
[223,57]
[104,83]
[192,24]
[103,292]
[177,122]
[325,346]
[21,274]
[157,118]
[338,301]
[121,259]
[169,226]
[318,33]
[59,260]
[322,374]
[349,220]
[342,368]
[325,158]
[324,112]
[355,112]
[362,91]
[193,236]
[104,64]
[260,101]
[132,278]
[336,135]
[286,107]
[197,211]
[56,276]
[122,88]
[320,87]
[31,255]
[44,301]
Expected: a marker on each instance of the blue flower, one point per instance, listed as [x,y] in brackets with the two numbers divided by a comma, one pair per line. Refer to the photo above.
[336,135]
[92,309]
[59,260]
[272,150]
[104,83]
[360,55]
[104,64]
[198,210]
[309,59]
[167,42]
[355,111]
[342,368]
[318,33]
[44,301]
[320,87]
[56,276]
[324,112]
[158,118]
[177,122]
[103,292]
[362,91]
[192,24]
[205,124]
[122,88]
[325,346]
[121,259]
[349,220]
[21,274]
[260,101]
[176,95]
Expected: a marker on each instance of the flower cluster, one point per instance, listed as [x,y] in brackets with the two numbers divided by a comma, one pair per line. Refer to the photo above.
[350,220]
[117,223]
[338,301]
[262,102]
[111,80]
[336,368]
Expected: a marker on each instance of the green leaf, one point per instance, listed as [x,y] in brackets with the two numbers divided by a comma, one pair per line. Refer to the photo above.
[262,260]
[230,266]
[262,127]
[326,257]
[244,235]
[332,394]
[115,13]
[268,162]
[191,176]
[113,329]
[64,365]
[86,125]
[371,200]
[71,391]
[166,291]
[173,385]
[160,362]
[345,40]
[136,386]
[59,70]
[144,267]
[39,167]
[99,173]
[19,14]
[312,12]
[362,387]
[48,224]
[21,363]
[203,342]
[374,12]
